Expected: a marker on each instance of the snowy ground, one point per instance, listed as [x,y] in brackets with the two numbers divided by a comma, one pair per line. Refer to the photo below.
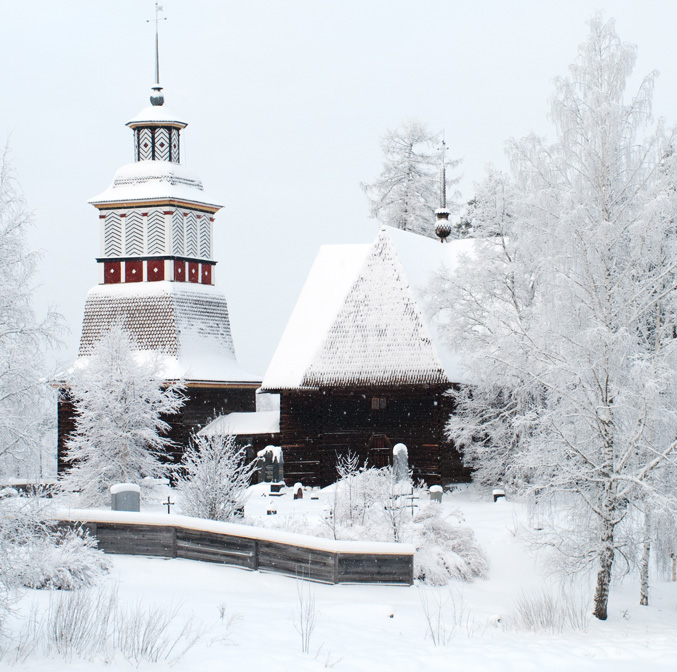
[247,619]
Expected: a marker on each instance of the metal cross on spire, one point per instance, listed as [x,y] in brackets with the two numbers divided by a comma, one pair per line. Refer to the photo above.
[443,174]
[157,19]
[156,97]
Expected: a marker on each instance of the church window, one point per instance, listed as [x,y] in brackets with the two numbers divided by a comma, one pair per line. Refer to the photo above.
[378,403]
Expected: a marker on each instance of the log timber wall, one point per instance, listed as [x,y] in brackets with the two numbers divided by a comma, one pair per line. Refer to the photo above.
[316,559]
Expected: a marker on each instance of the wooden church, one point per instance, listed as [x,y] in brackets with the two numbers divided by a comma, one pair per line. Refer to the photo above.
[361,368]
[157,278]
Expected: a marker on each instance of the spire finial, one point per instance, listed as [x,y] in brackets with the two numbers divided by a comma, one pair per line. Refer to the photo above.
[442,223]
[443,175]
[157,98]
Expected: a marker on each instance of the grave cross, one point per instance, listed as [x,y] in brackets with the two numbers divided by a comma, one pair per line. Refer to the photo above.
[412,497]
[169,504]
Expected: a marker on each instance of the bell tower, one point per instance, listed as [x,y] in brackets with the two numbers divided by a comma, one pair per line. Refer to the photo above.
[156,277]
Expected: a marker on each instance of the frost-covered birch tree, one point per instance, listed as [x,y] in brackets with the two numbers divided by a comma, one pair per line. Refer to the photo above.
[120,401]
[24,394]
[567,315]
[408,190]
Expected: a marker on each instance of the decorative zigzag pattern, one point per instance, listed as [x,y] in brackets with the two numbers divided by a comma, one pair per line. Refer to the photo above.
[162,144]
[205,238]
[156,232]
[178,245]
[175,145]
[145,144]
[134,233]
[112,235]
[191,235]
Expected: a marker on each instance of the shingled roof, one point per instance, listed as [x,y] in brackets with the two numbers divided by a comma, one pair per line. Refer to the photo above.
[358,323]
[188,323]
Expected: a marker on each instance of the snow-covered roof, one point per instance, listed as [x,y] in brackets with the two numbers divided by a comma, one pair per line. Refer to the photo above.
[155,181]
[358,321]
[187,322]
[156,114]
[244,424]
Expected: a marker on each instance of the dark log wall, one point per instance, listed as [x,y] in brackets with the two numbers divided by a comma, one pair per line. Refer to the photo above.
[202,405]
[318,426]
[327,566]
[65,427]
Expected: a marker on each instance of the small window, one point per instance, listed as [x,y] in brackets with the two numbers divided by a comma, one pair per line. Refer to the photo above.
[378,403]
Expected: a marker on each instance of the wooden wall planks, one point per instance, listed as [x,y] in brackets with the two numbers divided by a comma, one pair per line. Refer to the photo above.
[325,566]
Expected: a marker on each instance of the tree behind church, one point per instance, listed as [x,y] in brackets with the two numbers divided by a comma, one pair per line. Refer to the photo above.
[120,401]
[407,192]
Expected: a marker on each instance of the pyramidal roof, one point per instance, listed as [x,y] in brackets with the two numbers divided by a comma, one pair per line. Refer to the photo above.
[378,336]
[358,322]
[188,323]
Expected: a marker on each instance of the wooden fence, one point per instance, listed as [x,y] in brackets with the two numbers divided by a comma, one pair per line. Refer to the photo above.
[317,559]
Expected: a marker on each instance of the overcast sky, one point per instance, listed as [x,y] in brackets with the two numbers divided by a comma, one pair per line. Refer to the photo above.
[286,102]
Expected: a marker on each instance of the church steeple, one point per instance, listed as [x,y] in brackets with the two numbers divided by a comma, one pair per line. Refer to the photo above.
[156,220]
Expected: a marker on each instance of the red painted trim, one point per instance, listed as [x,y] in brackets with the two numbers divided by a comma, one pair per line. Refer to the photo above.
[206,274]
[155,270]
[134,271]
[193,271]
[111,272]
[179,271]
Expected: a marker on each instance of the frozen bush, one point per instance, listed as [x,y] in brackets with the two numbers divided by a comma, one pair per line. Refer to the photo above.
[444,550]
[214,477]
[543,611]
[63,559]
[36,554]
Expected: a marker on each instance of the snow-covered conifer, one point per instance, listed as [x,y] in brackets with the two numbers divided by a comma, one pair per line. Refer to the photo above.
[407,192]
[213,477]
[120,402]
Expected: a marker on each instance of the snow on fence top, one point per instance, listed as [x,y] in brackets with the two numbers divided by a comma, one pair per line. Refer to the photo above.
[234,529]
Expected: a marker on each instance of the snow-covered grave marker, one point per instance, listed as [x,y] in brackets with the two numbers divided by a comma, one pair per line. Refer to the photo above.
[412,497]
[498,493]
[436,493]
[125,497]
[298,491]
[271,463]
[400,462]
[168,504]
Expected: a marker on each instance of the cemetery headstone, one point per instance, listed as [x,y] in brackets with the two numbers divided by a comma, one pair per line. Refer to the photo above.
[400,462]
[125,497]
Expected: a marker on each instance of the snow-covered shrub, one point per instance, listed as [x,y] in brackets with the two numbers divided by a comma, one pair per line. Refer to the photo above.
[543,611]
[36,554]
[214,477]
[445,550]
[64,560]
[91,624]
